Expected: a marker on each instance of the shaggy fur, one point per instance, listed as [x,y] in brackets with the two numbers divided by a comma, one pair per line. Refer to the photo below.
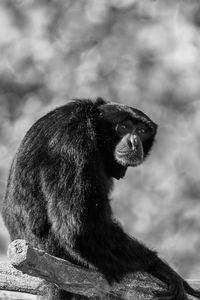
[58,187]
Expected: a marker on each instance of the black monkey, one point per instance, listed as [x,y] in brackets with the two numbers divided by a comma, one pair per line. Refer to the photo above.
[58,187]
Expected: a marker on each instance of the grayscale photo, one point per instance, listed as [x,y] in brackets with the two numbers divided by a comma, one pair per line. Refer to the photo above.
[99,149]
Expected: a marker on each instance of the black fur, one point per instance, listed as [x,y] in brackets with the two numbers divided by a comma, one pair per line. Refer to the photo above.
[58,187]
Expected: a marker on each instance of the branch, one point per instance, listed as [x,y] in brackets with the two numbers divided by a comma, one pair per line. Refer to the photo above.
[73,278]
[76,279]
[14,280]
[17,296]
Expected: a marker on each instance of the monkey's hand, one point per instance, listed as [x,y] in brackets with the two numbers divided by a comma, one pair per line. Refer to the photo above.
[177,286]
[175,291]
[190,290]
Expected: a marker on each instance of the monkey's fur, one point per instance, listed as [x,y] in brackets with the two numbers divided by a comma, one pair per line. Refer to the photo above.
[57,195]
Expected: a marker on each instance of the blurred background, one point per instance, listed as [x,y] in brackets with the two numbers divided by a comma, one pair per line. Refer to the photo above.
[142,53]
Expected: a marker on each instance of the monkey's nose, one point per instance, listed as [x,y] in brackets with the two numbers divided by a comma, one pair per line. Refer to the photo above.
[133,141]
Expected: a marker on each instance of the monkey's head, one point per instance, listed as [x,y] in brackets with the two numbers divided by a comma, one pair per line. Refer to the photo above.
[126,137]
[84,135]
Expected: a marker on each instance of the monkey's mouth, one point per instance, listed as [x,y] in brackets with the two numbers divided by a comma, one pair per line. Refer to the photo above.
[129,158]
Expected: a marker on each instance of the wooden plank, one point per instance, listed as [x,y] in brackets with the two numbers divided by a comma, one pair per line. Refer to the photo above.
[6,295]
[70,277]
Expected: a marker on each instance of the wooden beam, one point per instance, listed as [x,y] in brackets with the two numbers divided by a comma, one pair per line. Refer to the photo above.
[69,277]
[14,280]
[16,296]
[72,278]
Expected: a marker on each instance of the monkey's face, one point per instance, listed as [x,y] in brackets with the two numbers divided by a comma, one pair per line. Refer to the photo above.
[129,151]
[127,137]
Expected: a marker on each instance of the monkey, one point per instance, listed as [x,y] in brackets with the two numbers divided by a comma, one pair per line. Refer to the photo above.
[57,195]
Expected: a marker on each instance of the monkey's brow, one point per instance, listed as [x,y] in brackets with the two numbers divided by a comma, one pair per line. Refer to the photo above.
[117,108]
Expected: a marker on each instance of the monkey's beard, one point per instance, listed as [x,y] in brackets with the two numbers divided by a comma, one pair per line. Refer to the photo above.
[130,158]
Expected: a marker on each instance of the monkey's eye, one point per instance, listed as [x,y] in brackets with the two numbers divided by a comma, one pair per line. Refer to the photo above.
[142,130]
[125,127]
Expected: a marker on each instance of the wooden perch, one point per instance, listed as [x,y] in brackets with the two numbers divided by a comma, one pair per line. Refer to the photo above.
[14,280]
[75,279]
[67,276]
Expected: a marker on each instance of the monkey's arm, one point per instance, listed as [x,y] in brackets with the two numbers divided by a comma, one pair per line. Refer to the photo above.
[177,285]
[116,253]
[154,265]
[103,244]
